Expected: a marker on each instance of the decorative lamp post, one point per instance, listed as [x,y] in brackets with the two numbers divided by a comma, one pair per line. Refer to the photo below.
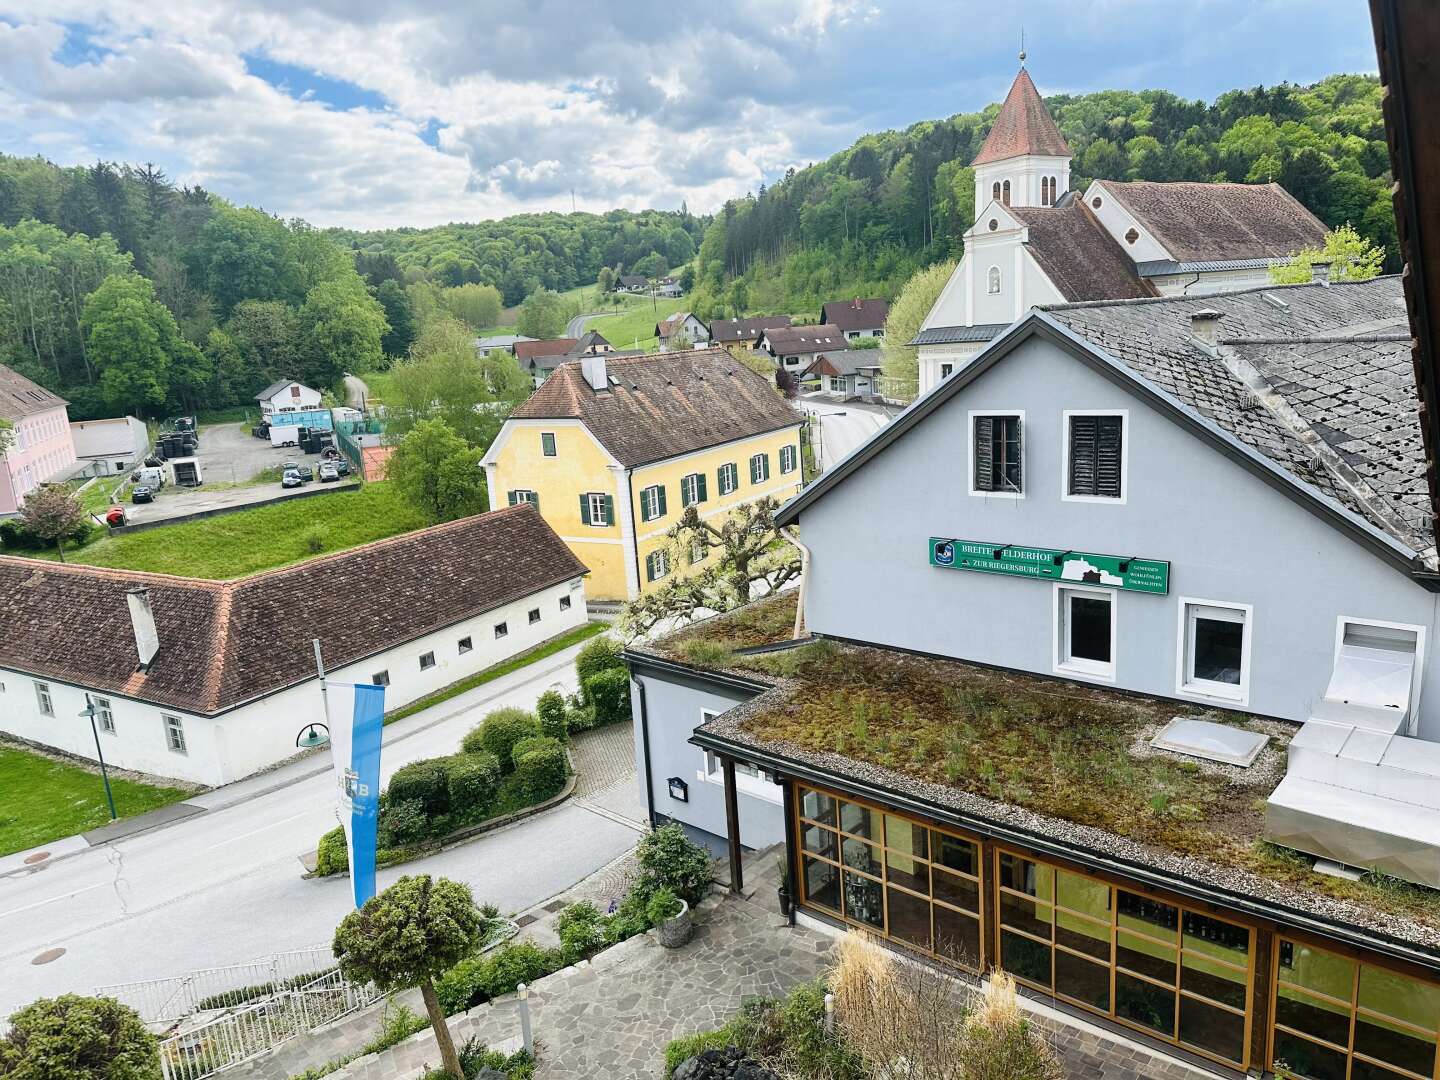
[89,711]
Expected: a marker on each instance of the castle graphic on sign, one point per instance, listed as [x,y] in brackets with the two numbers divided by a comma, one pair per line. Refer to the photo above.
[1127,572]
[1081,569]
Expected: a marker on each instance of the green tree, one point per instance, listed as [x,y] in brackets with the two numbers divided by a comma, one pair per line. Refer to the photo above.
[343,326]
[477,306]
[443,379]
[78,1038]
[133,343]
[605,280]
[541,315]
[651,266]
[434,470]
[246,254]
[406,936]
[401,333]
[267,335]
[1348,254]
[52,512]
[899,359]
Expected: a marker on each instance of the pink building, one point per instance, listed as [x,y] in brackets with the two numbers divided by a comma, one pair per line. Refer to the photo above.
[41,449]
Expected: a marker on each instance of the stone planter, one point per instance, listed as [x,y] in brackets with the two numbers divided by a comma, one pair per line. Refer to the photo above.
[676,930]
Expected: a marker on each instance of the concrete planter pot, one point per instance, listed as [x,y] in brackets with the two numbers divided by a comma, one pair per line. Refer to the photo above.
[676,930]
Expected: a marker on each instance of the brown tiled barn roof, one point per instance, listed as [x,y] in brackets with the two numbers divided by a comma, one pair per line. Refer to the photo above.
[663,404]
[801,340]
[722,330]
[223,643]
[1022,126]
[1214,222]
[526,350]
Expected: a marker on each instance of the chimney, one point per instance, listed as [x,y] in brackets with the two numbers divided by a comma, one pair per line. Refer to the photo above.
[1320,273]
[142,619]
[1205,327]
[593,368]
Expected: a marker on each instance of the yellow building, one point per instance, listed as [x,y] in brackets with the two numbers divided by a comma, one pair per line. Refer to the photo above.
[612,450]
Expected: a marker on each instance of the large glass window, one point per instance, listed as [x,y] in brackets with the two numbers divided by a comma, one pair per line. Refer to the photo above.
[1214,659]
[1180,975]
[1085,630]
[1335,1016]
[912,883]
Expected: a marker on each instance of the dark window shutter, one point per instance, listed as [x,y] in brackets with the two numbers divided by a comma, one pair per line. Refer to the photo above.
[650,567]
[645,504]
[585,509]
[511,498]
[535,499]
[700,487]
[764,466]
[984,453]
[662,502]
[1083,439]
[1108,439]
[609,510]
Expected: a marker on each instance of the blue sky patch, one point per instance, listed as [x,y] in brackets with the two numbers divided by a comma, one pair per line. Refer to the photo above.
[430,133]
[306,85]
[80,47]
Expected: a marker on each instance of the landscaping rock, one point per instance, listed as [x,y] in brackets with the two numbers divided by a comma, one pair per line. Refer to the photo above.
[727,1063]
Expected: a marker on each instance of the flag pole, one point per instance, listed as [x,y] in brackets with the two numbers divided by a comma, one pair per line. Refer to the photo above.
[320,670]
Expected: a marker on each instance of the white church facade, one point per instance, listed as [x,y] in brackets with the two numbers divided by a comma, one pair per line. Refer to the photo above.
[1035,242]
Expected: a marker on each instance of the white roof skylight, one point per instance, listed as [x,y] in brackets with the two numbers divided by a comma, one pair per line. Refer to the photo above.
[1211,741]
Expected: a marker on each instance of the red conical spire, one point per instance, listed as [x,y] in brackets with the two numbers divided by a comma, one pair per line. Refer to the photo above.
[1023,126]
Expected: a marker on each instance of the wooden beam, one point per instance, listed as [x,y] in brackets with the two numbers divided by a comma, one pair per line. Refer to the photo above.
[732,824]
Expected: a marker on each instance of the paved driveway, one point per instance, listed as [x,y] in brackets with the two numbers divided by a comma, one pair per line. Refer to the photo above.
[843,427]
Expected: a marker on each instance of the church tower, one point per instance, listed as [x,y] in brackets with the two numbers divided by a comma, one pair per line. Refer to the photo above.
[1025,160]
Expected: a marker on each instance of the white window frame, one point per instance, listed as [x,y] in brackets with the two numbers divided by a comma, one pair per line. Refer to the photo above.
[650,502]
[1065,495]
[729,471]
[975,414]
[788,457]
[1185,683]
[174,733]
[1082,669]
[554,450]
[659,561]
[44,698]
[1417,680]
[525,495]
[104,715]
[751,781]
[690,489]
[595,508]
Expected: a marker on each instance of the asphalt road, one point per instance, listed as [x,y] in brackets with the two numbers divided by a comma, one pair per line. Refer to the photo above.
[843,427]
[225,886]
[576,326]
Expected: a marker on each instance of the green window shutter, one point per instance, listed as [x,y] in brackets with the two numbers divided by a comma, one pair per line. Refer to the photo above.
[584,509]
[685,481]
[609,510]
[754,471]
[720,480]
[644,504]
[535,499]
[650,567]
[700,486]
[662,503]
[764,466]
[984,453]
[511,498]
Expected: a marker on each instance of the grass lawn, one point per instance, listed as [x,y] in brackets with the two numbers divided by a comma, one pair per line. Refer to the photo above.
[635,327]
[46,800]
[247,541]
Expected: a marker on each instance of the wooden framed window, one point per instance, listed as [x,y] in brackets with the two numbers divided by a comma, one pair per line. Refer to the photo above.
[547,443]
[759,468]
[692,489]
[789,459]
[523,495]
[652,503]
[104,715]
[175,735]
[727,478]
[597,509]
[44,699]
[1095,456]
[996,454]
[657,565]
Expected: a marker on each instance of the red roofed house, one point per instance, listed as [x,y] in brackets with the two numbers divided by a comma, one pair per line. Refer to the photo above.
[210,681]
[1036,242]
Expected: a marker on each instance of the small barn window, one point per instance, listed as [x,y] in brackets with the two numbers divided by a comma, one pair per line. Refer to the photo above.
[464,645]
[993,281]
[175,734]
[381,678]
[534,615]
[564,603]
[501,629]
[427,661]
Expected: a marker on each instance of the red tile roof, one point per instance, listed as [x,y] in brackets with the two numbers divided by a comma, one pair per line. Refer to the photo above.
[1022,126]
[526,350]
[223,643]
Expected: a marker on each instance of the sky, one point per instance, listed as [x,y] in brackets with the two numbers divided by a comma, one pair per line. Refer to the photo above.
[371,114]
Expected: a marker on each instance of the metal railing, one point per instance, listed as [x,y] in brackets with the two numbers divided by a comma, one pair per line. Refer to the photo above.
[165,1001]
[237,1035]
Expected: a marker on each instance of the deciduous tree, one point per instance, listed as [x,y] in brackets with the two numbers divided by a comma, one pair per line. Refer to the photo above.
[401,334]
[900,361]
[541,315]
[1348,254]
[52,512]
[406,936]
[135,346]
[477,306]
[434,470]
[343,327]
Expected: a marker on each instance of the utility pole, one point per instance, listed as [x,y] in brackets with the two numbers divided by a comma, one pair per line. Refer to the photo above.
[99,754]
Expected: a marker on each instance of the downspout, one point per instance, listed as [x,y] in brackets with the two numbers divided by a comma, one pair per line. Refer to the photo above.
[645,753]
[794,537]
[1186,290]
[634,534]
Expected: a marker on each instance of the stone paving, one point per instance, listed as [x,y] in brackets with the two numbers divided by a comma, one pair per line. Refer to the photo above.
[605,761]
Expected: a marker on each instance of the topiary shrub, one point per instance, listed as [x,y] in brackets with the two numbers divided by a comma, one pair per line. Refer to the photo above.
[550,709]
[669,859]
[79,1038]
[403,822]
[332,857]
[540,768]
[499,732]
[476,979]
[425,782]
[609,694]
[579,718]
[597,655]
[472,780]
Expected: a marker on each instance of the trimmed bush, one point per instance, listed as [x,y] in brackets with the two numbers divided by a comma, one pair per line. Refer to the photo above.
[609,694]
[579,718]
[664,904]
[551,711]
[472,780]
[332,856]
[477,979]
[499,732]
[424,782]
[669,859]
[582,930]
[540,768]
[599,654]
[403,822]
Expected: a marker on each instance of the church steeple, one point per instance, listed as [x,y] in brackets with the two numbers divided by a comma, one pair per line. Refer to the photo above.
[1025,161]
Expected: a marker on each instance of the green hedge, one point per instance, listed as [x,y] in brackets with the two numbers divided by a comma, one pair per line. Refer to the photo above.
[331,857]
[609,694]
[426,782]
[472,780]
[499,732]
[550,710]
[478,979]
[600,654]
[540,768]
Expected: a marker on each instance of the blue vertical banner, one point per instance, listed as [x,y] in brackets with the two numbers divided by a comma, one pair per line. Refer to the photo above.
[355,741]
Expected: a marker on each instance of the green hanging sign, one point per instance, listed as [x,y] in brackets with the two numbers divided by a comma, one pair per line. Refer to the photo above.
[1080,567]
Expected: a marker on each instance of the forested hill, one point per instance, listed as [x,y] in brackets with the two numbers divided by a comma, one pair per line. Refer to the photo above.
[861,222]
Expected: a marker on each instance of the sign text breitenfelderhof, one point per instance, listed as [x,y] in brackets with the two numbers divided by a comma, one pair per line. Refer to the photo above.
[1047,564]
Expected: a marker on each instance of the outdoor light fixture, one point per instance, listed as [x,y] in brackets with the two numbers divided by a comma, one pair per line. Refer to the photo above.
[679,789]
[308,738]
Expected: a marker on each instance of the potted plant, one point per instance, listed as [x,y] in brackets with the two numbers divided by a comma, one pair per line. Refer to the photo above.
[670,915]
[783,892]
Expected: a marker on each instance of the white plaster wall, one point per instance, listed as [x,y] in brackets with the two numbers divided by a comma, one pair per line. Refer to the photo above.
[933,357]
[1024,174]
[1118,221]
[244,740]
[1212,281]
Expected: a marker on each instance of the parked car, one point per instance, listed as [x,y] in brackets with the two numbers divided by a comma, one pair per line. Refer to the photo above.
[291,479]
[142,494]
[342,465]
[328,472]
[306,473]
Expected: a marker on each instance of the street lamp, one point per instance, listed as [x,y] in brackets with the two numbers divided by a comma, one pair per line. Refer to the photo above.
[308,737]
[89,711]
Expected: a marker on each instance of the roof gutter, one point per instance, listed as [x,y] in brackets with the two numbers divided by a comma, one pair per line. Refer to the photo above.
[991,830]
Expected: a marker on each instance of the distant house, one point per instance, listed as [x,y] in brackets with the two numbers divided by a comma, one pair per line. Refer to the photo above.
[42,448]
[633,283]
[744,332]
[682,325]
[538,358]
[110,446]
[500,341]
[794,347]
[592,343]
[286,396]
[668,289]
[847,374]
[857,318]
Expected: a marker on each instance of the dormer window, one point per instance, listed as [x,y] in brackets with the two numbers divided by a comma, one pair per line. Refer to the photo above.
[992,285]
